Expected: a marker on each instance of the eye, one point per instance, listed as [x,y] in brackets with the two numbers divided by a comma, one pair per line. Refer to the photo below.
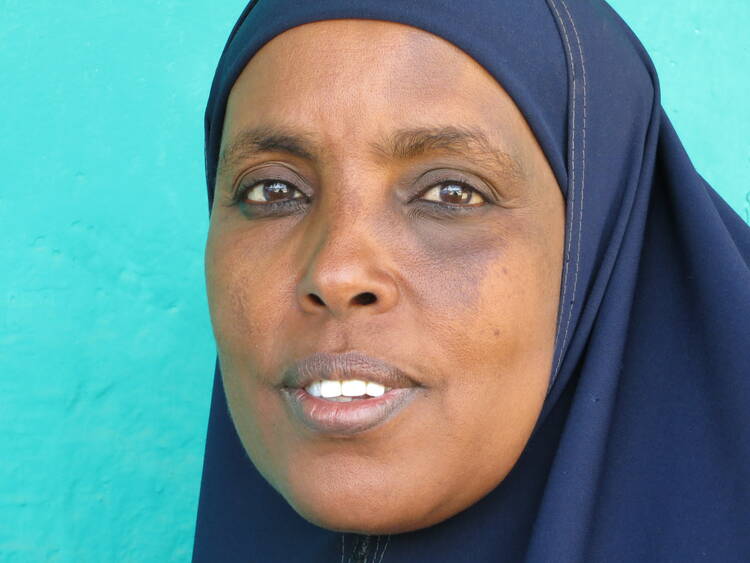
[454,193]
[269,191]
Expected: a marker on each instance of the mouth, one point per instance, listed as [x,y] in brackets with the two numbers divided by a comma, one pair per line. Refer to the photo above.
[345,393]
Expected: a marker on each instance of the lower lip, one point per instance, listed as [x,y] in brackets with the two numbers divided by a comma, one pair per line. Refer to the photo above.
[353,417]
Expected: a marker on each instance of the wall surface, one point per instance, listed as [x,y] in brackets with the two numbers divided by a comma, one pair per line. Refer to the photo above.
[106,354]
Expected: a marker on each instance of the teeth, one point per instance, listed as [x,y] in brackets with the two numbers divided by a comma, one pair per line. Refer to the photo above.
[375,389]
[353,388]
[343,391]
[330,388]
[314,389]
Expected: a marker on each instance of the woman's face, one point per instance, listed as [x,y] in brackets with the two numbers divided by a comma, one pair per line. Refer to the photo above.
[384,217]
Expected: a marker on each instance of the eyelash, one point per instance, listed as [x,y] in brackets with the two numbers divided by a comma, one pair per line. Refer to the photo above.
[273,207]
[276,207]
[447,208]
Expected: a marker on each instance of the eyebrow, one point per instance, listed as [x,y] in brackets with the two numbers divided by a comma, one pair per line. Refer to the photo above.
[472,143]
[403,144]
[256,140]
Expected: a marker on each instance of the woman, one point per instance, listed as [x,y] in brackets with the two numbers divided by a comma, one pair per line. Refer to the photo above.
[471,300]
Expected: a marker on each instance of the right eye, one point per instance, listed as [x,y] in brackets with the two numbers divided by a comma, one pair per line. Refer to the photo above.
[269,191]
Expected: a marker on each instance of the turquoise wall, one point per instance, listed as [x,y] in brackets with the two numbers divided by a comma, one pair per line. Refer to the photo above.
[105,347]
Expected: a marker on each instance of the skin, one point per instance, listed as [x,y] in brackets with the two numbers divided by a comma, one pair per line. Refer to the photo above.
[465,304]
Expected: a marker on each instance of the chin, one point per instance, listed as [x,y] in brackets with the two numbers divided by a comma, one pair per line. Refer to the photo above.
[360,520]
[368,511]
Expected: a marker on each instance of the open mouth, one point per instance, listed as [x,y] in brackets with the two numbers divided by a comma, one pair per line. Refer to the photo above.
[345,393]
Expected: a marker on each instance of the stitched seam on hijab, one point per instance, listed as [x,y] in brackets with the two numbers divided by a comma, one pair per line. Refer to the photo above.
[377,547]
[361,547]
[342,548]
[583,178]
[571,203]
[387,541]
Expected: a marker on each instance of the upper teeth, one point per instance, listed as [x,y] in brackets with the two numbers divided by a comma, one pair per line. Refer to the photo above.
[328,388]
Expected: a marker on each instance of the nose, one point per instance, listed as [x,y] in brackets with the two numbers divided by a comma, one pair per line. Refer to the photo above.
[347,271]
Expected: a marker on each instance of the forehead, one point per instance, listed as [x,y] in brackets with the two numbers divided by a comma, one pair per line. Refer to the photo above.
[349,80]
[342,52]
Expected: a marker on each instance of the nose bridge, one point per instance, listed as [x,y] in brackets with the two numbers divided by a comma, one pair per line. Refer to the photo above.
[337,245]
[345,264]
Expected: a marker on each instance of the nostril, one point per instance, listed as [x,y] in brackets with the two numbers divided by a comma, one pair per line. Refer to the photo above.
[364,298]
[315,299]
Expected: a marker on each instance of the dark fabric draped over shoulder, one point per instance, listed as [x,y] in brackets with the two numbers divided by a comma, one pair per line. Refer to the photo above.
[642,450]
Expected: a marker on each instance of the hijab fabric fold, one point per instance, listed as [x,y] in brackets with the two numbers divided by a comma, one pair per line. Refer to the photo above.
[642,450]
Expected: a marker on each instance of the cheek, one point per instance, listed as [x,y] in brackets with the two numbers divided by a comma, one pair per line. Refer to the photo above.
[449,266]
[482,291]
[247,288]
[489,302]
[248,291]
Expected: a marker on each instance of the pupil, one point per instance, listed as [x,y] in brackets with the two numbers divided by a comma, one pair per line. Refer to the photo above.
[275,190]
[453,193]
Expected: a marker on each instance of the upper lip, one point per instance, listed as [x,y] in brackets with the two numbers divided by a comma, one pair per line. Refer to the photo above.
[343,366]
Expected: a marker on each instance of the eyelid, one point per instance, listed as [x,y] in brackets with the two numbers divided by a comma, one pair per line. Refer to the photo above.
[262,174]
[244,190]
[438,186]
[438,177]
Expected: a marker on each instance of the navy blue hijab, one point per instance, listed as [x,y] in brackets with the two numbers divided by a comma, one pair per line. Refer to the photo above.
[642,450]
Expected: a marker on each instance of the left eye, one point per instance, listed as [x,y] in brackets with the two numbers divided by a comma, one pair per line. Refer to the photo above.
[269,191]
[454,193]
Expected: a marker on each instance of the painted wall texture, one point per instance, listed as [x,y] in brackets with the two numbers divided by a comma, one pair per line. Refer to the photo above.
[106,353]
